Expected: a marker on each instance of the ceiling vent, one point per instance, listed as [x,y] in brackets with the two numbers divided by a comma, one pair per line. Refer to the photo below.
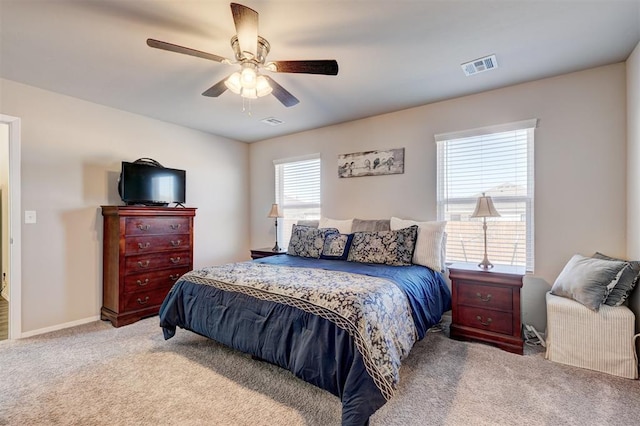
[480,65]
[272,121]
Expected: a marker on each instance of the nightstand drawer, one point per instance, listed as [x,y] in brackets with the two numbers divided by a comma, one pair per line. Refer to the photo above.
[485,296]
[484,319]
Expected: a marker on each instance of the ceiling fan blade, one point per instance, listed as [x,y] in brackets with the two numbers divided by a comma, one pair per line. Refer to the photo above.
[246,21]
[326,67]
[217,89]
[286,98]
[185,50]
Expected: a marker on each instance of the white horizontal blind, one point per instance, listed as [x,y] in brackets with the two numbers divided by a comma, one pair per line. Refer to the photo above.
[501,165]
[297,192]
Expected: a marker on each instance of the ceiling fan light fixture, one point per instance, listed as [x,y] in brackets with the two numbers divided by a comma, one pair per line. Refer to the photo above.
[249,93]
[263,88]
[233,83]
[248,76]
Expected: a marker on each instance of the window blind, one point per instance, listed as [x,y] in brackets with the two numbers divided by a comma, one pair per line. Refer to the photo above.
[297,192]
[499,164]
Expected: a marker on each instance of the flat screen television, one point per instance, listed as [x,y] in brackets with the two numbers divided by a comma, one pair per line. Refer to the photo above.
[149,185]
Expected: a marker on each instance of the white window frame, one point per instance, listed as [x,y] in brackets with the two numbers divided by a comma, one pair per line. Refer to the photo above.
[287,206]
[443,200]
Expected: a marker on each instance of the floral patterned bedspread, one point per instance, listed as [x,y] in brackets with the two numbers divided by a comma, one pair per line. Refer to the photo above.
[374,311]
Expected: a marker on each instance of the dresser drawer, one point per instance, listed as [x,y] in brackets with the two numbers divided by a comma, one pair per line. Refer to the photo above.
[143,244]
[141,263]
[151,280]
[145,299]
[485,296]
[485,319]
[156,225]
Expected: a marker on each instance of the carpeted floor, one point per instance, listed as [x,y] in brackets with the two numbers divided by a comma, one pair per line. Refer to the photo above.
[98,375]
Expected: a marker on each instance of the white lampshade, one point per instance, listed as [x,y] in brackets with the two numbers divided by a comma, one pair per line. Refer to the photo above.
[248,78]
[485,207]
[233,83]
[263,87]
[275,211]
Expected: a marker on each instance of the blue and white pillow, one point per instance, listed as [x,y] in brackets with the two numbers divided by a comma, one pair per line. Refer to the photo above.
[307,241]
[336,246]
[386,247]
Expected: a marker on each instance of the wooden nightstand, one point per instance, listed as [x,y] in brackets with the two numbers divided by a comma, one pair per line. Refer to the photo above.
[265,252]
[486,305]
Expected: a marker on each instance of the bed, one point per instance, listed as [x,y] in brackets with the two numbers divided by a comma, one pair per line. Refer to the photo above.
[341,325]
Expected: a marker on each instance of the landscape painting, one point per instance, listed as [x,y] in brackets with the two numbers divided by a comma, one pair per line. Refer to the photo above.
[371,163]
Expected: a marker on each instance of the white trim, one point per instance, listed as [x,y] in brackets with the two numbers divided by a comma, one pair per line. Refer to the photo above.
[296,159]
[60,326]
[15,242]
[498,128]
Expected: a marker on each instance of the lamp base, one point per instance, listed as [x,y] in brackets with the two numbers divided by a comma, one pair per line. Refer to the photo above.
[485,264]
[276,247]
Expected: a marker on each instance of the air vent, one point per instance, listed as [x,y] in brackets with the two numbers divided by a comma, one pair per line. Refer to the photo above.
[480,65]
[272,121]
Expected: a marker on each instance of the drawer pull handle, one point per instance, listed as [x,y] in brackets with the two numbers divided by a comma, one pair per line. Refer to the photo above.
[142,283]
[144,246]
[176,243]
[174,277]
[143,302]
[479,318]
[144,227]
[484,299]
[175,260]
[144,265]
[175,226]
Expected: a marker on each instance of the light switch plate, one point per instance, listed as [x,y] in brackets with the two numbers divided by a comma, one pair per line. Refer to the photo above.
[29,216]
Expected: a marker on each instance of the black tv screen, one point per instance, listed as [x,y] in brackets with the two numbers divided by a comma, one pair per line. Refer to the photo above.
[150,185]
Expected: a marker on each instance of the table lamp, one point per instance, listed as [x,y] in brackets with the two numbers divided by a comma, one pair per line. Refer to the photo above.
[275,213]
[485,209]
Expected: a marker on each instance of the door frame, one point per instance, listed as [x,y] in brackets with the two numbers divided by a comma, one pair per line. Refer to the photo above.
[15,239]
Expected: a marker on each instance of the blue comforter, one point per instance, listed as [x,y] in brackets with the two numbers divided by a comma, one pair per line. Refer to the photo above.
[313,347]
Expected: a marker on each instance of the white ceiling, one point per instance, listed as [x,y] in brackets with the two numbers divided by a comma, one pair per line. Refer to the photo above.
[392,54]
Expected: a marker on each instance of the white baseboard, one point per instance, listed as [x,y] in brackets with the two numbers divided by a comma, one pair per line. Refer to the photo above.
[58,327]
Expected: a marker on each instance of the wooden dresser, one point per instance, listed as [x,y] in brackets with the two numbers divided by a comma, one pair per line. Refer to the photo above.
[145,250]
[486,305]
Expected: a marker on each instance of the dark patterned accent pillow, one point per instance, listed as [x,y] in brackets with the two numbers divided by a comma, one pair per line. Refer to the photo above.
[336,246]
[307,241]
[627,281]
[387,247]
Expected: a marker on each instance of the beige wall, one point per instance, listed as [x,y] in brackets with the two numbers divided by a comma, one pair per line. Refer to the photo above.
[579,154]
[71,154]
[633,169]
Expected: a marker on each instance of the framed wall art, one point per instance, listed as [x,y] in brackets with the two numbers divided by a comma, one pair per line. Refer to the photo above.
[371,163]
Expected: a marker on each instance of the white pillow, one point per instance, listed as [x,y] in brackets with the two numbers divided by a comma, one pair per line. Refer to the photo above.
[430,243]
[344,226]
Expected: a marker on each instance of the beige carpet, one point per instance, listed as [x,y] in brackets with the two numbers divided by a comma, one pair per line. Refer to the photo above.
[99,375]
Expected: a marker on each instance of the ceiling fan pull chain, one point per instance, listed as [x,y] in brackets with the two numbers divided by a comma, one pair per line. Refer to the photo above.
[246,108]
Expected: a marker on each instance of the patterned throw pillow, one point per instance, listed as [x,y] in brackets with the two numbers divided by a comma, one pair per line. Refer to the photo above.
[626,282]
[431,243]
[308,242]
[336,246]
[387,247]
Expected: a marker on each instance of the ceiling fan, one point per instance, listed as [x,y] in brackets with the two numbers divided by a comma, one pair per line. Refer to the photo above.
[251,52]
